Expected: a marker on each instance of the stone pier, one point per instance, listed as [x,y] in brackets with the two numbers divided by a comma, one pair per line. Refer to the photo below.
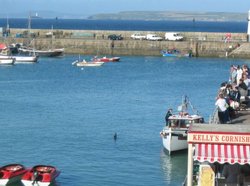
[96,42]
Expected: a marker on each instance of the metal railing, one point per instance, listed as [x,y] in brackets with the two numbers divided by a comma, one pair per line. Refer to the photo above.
[214,118]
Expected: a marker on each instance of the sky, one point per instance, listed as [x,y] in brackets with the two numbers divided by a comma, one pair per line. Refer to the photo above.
[90,7]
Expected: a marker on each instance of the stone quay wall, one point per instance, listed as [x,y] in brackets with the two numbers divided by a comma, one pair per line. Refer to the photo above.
[96,42]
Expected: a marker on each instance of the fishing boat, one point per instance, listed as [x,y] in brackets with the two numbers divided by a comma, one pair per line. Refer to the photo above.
[30,49]
[11,173]
[41,53]
[40,175]
[107,59]
[174,134]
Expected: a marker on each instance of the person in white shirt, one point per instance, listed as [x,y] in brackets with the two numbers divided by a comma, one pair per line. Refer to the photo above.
[222,109]
[239,74]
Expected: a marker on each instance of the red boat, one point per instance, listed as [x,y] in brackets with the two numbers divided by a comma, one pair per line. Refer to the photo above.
[11,173]
[40,175]
[107,59]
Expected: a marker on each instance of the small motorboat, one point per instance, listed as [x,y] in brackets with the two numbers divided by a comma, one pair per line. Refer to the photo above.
[40,175]
[11,173]
[84,63]
[175,53]
[107,59]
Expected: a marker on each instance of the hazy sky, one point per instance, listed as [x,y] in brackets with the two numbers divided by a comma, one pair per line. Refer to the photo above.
[89,7]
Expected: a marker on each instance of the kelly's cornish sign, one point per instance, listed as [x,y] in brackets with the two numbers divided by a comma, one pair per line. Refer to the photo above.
[218,138]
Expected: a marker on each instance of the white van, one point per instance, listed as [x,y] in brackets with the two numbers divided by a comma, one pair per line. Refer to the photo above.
[153,37]
[172,36]
[138,36]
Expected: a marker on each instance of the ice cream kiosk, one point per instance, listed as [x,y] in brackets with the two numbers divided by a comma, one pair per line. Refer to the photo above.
[210,145]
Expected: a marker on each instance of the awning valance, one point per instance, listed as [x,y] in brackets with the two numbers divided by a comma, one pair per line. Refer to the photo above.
[222,153]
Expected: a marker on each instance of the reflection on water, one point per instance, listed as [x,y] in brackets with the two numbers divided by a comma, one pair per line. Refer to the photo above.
[173,166]
[166,165]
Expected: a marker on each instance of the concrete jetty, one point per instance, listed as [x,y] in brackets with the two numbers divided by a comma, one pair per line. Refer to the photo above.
[96,42]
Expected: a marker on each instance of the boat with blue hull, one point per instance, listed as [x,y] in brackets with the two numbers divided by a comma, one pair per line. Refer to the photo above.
[175,53]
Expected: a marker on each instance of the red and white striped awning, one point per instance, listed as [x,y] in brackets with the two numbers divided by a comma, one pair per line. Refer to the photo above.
[222,153]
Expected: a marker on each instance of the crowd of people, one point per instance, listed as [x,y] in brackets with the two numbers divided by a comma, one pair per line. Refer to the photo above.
[233,94]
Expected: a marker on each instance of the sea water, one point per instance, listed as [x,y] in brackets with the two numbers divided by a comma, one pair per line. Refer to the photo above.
[128,25]
[58,114]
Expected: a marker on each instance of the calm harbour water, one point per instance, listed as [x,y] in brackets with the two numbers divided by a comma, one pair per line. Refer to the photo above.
[129,25]
[58,114]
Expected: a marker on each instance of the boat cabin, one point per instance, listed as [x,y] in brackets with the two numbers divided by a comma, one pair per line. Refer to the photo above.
[183,121]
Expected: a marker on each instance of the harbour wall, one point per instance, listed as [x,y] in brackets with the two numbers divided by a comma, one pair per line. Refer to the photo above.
[96,42]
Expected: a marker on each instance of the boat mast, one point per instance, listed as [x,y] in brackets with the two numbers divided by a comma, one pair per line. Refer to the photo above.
[29,25]
[29,30]
[52,28]
[7,24]
[184,106]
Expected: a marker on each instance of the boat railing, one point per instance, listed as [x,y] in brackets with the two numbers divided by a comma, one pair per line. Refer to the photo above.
[214,118]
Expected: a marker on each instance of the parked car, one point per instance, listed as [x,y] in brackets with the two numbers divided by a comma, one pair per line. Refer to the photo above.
[153,37]
[173,37]
[115,37]
[138,36]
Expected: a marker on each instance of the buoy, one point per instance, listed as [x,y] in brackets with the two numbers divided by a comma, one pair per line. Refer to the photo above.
[115,136]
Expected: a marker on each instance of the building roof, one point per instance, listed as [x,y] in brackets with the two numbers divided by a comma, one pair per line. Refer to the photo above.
[221,128]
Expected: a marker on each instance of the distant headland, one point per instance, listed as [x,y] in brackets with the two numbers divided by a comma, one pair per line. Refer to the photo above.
[171,15]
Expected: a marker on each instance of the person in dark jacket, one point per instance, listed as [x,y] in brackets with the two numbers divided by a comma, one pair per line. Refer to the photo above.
[168,114]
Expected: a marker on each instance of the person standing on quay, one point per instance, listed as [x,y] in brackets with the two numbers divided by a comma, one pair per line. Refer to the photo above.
[222,109]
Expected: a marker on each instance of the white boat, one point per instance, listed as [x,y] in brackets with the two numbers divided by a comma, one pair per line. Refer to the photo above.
[26,59]
[84,63]
[21,59]
[7,61]
[174,134]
